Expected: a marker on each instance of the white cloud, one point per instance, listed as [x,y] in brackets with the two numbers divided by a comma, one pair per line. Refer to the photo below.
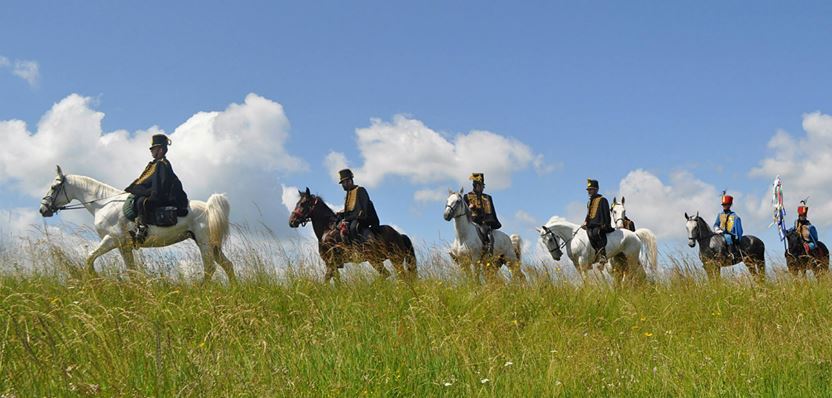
[803,164]
[430,195]
[239,151]
[660,206]
[334,162]
[27,70]
[406,147]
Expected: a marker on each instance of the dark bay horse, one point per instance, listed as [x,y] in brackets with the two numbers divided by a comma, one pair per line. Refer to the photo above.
[385,244]
[798,261]
[713,251]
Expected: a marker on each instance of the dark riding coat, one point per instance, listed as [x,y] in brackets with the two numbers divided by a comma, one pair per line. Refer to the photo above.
[158,186]
[358,207]
[482,210]
[598,221]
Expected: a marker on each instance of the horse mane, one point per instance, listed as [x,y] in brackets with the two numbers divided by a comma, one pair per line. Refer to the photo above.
[98,188]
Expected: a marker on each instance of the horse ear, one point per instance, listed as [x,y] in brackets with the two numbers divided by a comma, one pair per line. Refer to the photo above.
[614,199]
[461,190]
[59,171]
[686,216]
[697,214]
[307,191]
[622,200]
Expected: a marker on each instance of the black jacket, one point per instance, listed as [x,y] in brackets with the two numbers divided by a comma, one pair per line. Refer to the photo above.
[160,184]
[359,207]
[482,209]
[598,214]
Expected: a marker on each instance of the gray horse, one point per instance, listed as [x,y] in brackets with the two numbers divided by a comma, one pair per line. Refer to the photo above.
[713,251]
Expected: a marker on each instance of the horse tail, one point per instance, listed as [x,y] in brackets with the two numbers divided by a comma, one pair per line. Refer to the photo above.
[218,225]
[517,245]
[648,244]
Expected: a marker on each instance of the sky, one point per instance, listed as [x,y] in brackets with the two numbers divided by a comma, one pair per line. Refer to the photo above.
[666,104]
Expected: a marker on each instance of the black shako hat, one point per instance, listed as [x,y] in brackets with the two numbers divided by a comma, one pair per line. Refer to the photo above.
[345,174]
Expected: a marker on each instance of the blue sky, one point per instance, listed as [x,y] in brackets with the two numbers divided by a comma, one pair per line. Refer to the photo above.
[599,89]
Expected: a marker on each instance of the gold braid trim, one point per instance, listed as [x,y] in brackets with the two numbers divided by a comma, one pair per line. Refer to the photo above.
[352,196]
[593,207]
[146,174]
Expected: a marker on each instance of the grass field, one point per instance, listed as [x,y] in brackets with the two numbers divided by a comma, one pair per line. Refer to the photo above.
[151,336]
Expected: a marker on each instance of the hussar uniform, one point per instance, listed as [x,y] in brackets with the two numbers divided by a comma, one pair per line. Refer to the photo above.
[359,216]
[730,225]
[598,222]
[157,186]
[805,230]
[483,213]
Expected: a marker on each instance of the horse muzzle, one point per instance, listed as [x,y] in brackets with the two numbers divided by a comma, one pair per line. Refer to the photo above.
[45,211]
[691,242]
[448,214]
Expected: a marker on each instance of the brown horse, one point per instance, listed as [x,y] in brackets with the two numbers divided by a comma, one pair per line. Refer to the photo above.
[385,242]
[798,261]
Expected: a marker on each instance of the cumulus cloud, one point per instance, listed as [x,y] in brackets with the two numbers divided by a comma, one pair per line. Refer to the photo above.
[240,151]
[25,69]
[803,162]
[408,148]
[660,205]
[430,195]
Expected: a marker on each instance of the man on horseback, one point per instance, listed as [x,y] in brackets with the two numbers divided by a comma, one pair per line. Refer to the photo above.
[729,225]
[598,221]
[157,186]
[483,213]
[359,217]
[805,230]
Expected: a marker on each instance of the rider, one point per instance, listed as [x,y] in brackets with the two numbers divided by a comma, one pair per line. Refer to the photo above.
[483,213]
[156,187]
[729,225]
[598,221]
[805,230]
[359,216]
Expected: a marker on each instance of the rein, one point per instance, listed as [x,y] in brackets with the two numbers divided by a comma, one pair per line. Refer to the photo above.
[76,206]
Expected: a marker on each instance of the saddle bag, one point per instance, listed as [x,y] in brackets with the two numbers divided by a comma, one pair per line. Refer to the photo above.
[165,216]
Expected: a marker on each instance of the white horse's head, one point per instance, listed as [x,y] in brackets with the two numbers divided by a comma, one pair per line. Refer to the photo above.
[57,196]
[551,241]
[692,225]
[619,213]
[455,206]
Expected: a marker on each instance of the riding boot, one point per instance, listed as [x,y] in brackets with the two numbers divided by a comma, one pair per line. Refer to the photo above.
[489,244]
[601,255]
[140,233]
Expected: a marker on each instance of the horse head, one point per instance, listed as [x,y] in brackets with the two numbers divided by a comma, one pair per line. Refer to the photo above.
[455,205]
[303,209]
[551,241]
[619,212]
[694,227]
[57,197]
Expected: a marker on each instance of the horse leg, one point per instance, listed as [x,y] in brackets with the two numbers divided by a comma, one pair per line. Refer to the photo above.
[208,264]
[379,266]
[225,263]
[129,260]
[516,273]
[756,269]
[107,243]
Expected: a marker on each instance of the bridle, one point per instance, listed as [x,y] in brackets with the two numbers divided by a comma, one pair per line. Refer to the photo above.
[453,208]
[623,217]
[298,215]
[49,200]
[558,246]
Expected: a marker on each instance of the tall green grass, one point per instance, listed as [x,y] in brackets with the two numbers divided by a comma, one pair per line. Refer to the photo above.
[67,335]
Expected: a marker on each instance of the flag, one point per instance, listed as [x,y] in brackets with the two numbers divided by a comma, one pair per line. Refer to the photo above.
[779,211]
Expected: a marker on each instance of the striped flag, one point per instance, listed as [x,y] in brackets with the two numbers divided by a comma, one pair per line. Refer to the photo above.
[779,211]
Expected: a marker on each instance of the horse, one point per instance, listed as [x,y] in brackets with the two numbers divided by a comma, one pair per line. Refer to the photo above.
[468,247]
[385,244]
[713,251]
[206,223]
[623,248]
[619,215]
[798,261]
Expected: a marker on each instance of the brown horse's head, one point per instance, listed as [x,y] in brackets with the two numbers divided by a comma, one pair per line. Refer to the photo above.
[303,209]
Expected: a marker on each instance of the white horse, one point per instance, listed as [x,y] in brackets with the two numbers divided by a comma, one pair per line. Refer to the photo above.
[623,248]
[206,223]
[649,253]
[468,246]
